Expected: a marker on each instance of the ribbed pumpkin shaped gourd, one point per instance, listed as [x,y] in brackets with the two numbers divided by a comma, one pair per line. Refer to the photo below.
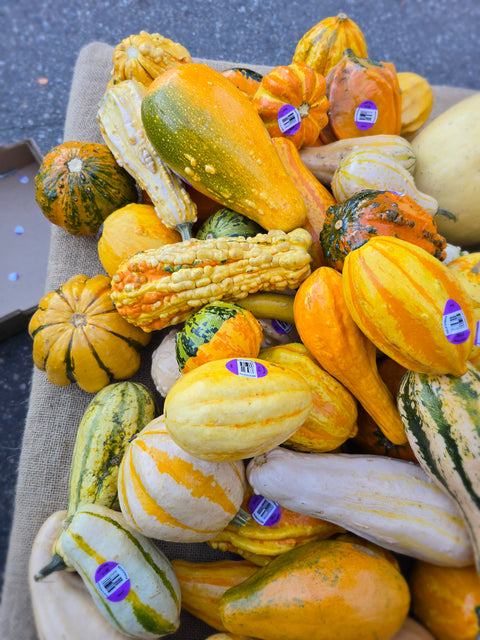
[333,418]
[79,337]
[167,494]
[323,45]
[218,330]
[441,416]
[317,587]
[371,212]
[210,133]
[79,184]
[236,408]
[409,305]
[327,329]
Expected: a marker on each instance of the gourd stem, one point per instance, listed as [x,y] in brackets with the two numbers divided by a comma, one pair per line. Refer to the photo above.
[185,230]
[56,564]
[240,518]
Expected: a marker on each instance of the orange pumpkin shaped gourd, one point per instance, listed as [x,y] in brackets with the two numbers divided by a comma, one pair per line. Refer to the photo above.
[323,45]
[364,98]
[410,305]
[78,336]
[291,102]
[329,332]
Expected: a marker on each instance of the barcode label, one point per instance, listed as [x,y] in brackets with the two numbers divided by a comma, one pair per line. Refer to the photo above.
[246,368]
[366,114]
[455,325]
[265,510]
[112,581]
[289,119]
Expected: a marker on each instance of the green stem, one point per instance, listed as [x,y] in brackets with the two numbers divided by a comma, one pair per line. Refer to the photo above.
[55,564]
[185,230]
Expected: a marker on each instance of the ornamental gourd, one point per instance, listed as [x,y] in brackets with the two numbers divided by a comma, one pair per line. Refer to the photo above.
[370,212]
[210,133]
[236,408]
[417,102]
[410,305]
[167,494]
[246,80]
[291,102]
[364,98]
[228,223]
[323,45]
[466,269]
[217,330]
[79,337]
[79,184]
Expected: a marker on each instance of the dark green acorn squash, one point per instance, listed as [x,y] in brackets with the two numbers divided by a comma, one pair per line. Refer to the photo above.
[228,223]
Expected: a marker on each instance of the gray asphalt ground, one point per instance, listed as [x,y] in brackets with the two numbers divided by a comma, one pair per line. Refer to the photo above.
[40,42]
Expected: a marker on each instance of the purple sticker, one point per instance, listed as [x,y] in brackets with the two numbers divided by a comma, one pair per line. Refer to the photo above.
[112,581]
[477,334]
[282,327]
[455,324]
[264,511]
[397,193]
[289,119]
[246,368]
[366,115]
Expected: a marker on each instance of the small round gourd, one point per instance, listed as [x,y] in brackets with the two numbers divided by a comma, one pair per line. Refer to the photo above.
[79,184]
[168,494]
[218,330]
[228,223]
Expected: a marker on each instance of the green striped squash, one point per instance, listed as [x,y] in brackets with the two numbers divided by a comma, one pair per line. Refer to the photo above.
[441,416]
[116,413]
[217,330]
[228,223]
[131,581]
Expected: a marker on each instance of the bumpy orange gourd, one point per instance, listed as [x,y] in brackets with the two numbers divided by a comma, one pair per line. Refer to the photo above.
[333,418]
[133,228]
[323,45]
[329,332]
[410,305]
[364,98]
[446,600]
[291,102]
[467,269]
[79,337]
[202,584]
[323,590]
[317,198]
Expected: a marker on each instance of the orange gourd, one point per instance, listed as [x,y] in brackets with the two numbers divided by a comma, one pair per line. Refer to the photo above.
[329,332]
[246,80]
[364,98]
[446,600]
[317,198]
[410,305]
[323,45]
[323,590]
[291,102]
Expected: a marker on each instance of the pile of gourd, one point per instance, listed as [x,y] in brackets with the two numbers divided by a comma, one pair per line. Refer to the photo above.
[318,361]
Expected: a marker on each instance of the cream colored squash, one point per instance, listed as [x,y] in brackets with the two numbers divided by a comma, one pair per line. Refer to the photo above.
[164,367]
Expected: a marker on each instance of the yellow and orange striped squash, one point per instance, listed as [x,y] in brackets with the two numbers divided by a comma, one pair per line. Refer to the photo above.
[236,408]
[167,494]
[467,269]
[333,418]
[406,302]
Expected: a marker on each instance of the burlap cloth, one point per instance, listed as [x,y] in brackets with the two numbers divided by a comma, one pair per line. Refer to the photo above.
[54,412]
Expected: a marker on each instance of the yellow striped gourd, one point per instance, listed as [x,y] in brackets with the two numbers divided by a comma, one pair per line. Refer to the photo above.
[130,580]
[390,502]
[165,493]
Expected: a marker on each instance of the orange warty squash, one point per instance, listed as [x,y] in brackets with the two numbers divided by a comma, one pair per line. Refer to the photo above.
[323,45]
[410,305]
[291,102]
[329,332]
[323,590]
[317,198]
[133,228]
[364,98]
[333,418]
[78,336]
[446,600]
[371,212]
[244,79]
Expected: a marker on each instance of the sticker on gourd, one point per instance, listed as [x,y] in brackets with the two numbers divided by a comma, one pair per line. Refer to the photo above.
[112,581]
[455,325]
[281,327]
[264,511]
[246,368]
[289,119]
[366,115]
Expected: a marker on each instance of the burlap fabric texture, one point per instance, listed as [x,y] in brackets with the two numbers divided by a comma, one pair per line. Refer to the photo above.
[55,412]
